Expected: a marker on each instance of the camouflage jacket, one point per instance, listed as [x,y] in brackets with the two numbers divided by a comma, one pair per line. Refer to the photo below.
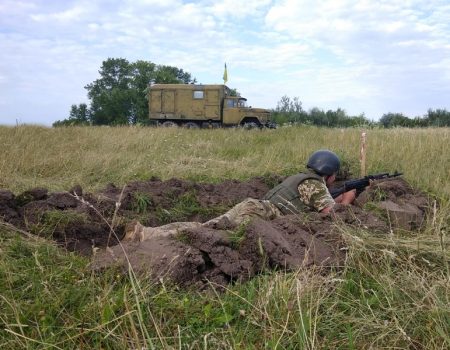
[299,193]
[315,195]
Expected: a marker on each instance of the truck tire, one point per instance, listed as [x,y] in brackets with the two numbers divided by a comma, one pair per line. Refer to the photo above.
[250,125]
[191,125]
[169,124]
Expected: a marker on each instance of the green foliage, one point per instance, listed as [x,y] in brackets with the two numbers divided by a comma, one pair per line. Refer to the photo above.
[141,202]
[56,220]
[433,118]
[172,75]
[389,120]
[290,111]
[237,236]
[183,237]
[184,208]
[438,117]
[234,92]
[79,115]
[119,96]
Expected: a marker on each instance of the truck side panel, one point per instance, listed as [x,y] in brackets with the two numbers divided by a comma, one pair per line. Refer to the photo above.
[155,102]
[194,105]
[168,101]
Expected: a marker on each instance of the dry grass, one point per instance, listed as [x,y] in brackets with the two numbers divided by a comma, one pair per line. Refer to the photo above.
[59,158]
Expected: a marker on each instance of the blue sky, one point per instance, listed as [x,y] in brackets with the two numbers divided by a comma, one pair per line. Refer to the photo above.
[369,57]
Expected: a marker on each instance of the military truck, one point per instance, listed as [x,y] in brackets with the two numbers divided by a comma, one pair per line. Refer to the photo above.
[207,106]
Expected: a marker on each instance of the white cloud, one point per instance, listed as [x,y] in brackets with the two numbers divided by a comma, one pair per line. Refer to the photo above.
[73,14]
[13,7]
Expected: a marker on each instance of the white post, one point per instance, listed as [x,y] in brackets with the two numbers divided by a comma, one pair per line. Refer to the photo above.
[362,156]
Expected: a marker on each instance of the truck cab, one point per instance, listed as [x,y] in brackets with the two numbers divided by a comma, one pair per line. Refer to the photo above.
[236,112]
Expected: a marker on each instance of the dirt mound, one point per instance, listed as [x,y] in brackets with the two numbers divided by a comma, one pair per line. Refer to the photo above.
[402,206]
[196,256]
[81,221]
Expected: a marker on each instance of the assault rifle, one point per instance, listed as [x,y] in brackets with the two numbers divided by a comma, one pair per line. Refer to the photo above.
[360,184]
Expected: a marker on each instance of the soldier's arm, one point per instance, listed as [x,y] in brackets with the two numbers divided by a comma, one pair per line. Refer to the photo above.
[346,197]
[316,196]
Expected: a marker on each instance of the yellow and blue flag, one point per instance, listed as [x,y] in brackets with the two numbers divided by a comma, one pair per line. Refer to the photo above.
[225,75]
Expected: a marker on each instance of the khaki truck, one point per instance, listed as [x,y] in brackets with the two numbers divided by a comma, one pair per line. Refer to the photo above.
[207,106]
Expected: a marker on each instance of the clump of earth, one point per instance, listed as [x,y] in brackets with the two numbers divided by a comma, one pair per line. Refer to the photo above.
[94,224]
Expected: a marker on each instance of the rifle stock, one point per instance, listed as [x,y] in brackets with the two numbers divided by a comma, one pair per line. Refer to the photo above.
[360,184]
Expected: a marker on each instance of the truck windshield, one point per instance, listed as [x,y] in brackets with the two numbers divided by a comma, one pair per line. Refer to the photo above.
[242,103]
[233,103]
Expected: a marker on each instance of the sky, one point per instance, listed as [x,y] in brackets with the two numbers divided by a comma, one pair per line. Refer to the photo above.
[370,57]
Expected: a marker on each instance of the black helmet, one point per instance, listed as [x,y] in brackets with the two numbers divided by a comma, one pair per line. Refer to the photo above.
[324,162]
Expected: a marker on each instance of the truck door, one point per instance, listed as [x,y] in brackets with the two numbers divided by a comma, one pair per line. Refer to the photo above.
[212,105]
[168,101]
[231,114]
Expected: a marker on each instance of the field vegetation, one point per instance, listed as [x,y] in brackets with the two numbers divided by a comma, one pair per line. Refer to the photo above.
[392,292]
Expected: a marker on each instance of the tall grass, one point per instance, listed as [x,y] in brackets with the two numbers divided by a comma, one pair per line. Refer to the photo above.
[93,156]
[392,292]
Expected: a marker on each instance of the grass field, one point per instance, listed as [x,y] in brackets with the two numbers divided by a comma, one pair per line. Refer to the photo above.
[392,292]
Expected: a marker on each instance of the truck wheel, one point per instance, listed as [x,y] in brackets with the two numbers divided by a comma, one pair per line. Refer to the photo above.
[169,124]
[251,125]
[191,125]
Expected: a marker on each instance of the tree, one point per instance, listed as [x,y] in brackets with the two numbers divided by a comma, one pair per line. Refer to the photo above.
[289,111]
[119,95]
[234,92]
[390,120]
[79,115]
[172,75]
[438,117]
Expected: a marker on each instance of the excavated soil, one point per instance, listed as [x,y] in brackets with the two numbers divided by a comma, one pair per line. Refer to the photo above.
[83,222]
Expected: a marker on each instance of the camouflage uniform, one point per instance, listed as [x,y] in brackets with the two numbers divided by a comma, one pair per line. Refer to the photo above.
[244,211]
[312,193]
[135,231]
[240,213]
[315,195]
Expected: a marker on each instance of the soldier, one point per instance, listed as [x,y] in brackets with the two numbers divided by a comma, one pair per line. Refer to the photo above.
[309,191]
[303,192]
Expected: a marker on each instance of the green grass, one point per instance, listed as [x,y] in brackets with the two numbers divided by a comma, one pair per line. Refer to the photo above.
[51,297]
[141,202]
[186,207]
[392,292]
[53,220]
[237,236]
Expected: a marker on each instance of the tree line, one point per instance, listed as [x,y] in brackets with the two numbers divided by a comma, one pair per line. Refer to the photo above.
[290,111]
[119,97]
